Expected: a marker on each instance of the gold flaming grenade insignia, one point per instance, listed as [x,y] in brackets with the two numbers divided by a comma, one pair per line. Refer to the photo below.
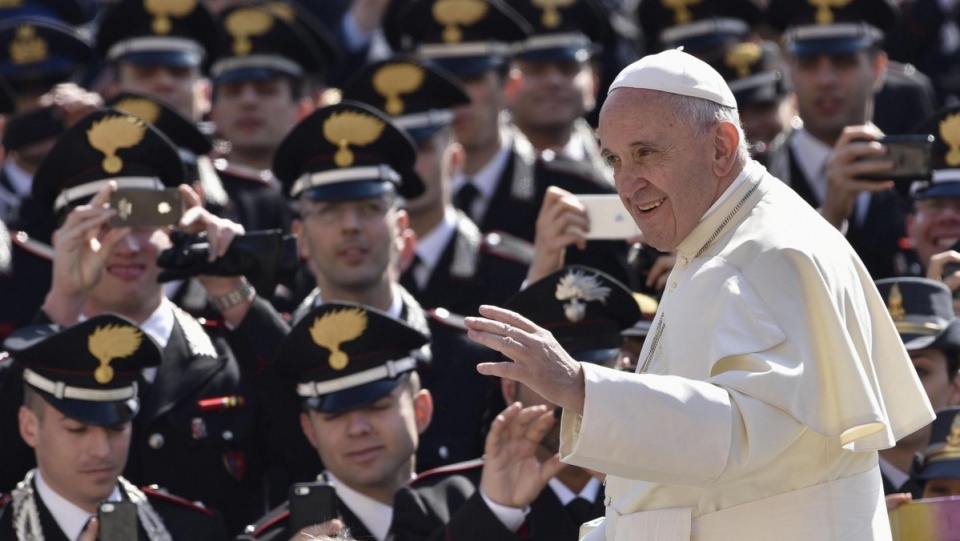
[334,328]
[351,128]
[953,439]
[895,303]
[27,47]
[824,13]
[742,56]
[681,9]
[453,14]
[579,288]
[551,17]
[112,342]
[163,10]
[140,107]
[950,134]
[112,133]
[395,79]
[7,4]
[246,22]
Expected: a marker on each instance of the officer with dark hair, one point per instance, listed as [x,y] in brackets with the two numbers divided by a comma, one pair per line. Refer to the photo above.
[80,398]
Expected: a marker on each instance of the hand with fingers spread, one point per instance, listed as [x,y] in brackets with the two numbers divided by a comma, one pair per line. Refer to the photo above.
[562,222]
[196,219]
[539,361]
[82,246]
[846,163]
[513,476]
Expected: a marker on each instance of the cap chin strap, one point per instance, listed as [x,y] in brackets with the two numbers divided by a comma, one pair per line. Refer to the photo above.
[389,370]
[61,390]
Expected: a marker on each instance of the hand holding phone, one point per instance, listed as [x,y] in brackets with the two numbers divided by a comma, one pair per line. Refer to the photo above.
[910,155]
[311,503]
[609,219]
[118,521]
[146,208]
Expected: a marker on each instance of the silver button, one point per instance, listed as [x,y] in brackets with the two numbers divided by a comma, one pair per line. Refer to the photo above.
[156,441]
[607,501]
[227,435]
[444,452]
[684,261]
[673,285]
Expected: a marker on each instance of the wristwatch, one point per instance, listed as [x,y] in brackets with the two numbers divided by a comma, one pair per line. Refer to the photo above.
[230,299]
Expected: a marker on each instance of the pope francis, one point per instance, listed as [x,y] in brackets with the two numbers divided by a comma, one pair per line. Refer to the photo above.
[772,373]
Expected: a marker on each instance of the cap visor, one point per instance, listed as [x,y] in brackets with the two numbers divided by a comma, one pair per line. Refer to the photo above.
[95,413]
[354,397]
[604,357]
[810,47]
[469,66]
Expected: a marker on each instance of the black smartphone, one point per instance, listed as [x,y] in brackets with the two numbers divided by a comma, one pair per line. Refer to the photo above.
[118,521]
[311,503]
[910,154]
[146,208]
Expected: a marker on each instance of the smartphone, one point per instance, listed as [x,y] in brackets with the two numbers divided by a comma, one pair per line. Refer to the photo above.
[910,154]
[118,521]
[609,219]
[311,503]
[146,208]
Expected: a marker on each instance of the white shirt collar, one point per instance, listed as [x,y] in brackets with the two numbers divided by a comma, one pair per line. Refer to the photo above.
[574,150]
[430,246]
[69,517]
[589,491]
[814,163]
[741,178]
[20,180]
[376,516]
[485,180]
[896,477]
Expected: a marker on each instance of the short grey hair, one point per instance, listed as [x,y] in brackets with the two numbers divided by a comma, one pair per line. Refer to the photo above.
[701,115]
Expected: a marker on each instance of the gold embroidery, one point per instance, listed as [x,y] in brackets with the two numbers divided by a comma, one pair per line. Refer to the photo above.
[112,342]
[334,328]
[351,128]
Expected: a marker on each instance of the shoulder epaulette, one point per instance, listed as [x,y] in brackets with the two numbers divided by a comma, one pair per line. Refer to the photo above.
[35,247]
[446,317]
[449,469]
[509,247]
[166,496]
[267,522]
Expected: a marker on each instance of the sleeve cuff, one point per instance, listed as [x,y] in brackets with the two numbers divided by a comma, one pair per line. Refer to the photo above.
[511,517]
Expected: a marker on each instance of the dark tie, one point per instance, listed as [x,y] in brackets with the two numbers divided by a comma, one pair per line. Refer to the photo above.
[409,278]
[580,510]
[466,196]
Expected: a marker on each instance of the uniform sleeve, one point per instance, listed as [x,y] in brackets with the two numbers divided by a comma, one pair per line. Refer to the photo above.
[679,431]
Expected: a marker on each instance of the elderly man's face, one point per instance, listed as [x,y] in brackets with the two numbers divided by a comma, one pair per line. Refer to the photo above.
[662,171]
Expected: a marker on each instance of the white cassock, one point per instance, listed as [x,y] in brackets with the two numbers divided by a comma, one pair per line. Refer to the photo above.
[773,375]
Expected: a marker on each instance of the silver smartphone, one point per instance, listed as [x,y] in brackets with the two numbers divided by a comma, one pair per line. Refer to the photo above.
[609,219]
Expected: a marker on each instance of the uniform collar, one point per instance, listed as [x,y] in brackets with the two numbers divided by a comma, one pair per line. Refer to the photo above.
[589,491]
[430,246]
[396,304]
[486,178]
[814,163]
[376,516]
[718,218]
[69,517]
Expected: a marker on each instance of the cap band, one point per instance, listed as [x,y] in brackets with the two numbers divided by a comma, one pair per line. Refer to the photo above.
[61,390]
[389,370]
[455,50]
[155,44]
[833,31]
[75,193]
[254,61]
[753,81]
[433,117]
[553,41]
[945,175]
[373,172]
[703,28]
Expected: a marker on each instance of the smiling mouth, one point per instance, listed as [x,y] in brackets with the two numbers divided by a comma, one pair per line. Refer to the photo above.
[651,206]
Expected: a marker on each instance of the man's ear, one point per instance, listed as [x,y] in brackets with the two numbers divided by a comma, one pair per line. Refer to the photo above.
[305,106]
[512,86]
[423,409]
[296,227]
[726,140]
[880,63]
[307,428]
[29,426]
